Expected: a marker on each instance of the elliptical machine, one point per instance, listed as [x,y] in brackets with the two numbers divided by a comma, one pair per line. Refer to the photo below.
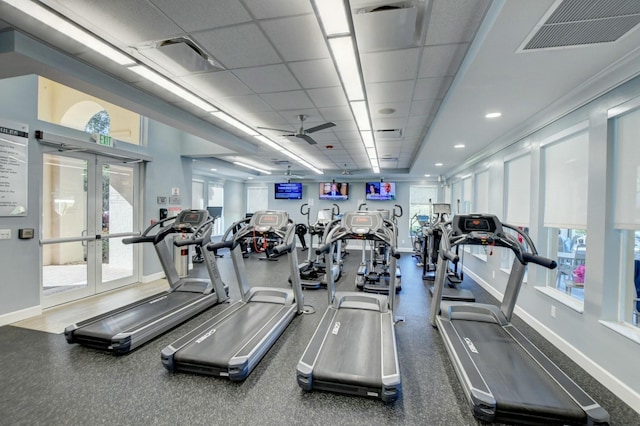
[373,274]
[440,225]
[313,270]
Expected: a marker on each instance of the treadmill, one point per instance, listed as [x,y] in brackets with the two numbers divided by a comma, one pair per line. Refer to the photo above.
[232,343]
[353,349]
[504,376]
[128,327]
[440,212]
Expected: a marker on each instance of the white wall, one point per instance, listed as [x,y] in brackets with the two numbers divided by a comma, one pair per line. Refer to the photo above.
[603,352]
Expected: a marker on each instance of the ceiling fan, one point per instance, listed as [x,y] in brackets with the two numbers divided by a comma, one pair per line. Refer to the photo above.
[303,133]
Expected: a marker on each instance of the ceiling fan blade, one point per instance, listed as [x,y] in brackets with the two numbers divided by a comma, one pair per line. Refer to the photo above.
[277,130]
[307,138]
[320,127]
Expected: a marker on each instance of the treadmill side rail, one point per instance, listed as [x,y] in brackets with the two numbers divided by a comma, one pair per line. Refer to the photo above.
[478,394]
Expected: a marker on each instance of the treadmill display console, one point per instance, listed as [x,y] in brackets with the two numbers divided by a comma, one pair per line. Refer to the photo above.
[265,220]
[441,208]
[466,224]
[361,223]
[477,225]
[191,217]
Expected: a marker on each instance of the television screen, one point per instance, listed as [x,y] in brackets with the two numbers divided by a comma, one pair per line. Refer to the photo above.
[381,191]
[288,191]
[334,191]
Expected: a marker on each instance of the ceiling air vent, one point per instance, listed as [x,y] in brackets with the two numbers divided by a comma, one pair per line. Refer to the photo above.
[386,27]
[387,134]
[180,56]
[583,22]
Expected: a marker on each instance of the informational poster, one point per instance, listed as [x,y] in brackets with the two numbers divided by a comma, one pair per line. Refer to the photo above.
[14,139]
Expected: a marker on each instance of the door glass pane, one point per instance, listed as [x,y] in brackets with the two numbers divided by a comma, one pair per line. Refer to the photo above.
[64,204]
[64,267]
[117,217]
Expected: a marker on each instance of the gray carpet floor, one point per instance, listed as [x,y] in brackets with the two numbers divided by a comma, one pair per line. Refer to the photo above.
[45,381]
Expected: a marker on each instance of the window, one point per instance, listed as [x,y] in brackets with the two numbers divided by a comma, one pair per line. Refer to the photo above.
[257,198]
[565,162]
[197,194]
[68,107]
[216,199]
[466,199]
[627,212]
[456,196]
[420,199]
[481,205]
[517,181]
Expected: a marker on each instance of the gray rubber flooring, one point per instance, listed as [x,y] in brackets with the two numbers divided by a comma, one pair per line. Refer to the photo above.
[45,381]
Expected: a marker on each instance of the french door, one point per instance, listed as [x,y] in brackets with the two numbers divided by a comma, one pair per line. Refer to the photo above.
[89,204]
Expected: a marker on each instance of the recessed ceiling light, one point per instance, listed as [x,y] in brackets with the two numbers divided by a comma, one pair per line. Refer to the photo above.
[438,164]
[214,170]
[459,145]
[493,115]
[427,175]
[249,177]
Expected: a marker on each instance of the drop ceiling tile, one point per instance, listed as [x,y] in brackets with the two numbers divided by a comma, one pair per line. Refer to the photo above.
[269,78]
[263,9]
[204,14]
[216,85]
[431,88]
[401,109]
[422,107]
[390,66]
[238,46]
[297,38]
[442,61]
[245,103]
[130,22]
[336,113]
[389,123]
[413,132]
[455,21]
[315,73]
[327,97]
[296,99]
[291,116]
[346,126]
[390,91]
[265,119]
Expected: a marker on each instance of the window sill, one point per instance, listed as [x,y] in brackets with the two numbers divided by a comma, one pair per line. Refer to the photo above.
[508,272]
[627,330]
[565,299]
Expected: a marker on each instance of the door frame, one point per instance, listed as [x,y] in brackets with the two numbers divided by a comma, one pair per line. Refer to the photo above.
[94,237]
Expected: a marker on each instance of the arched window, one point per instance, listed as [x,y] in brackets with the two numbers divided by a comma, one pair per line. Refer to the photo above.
[100,123]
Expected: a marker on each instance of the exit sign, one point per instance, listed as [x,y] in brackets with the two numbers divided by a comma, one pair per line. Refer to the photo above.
[105,140]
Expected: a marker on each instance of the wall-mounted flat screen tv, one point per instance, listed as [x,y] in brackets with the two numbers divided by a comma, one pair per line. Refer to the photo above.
[334,191]
[381,191]
[288,191]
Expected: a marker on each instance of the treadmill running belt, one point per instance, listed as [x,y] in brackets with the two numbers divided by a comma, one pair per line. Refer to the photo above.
[137,316]
[520,386]
[351,353]
[229,336]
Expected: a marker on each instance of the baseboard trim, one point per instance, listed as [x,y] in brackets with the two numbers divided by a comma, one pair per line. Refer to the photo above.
[20,315]
[608,380]
[152,277]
